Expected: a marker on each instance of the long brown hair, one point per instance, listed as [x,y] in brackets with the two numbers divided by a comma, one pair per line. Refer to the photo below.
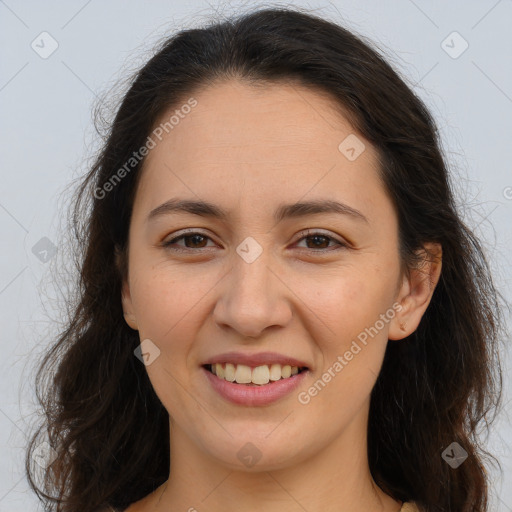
[108,429]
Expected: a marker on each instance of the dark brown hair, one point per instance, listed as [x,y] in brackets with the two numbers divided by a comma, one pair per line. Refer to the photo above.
[102,416]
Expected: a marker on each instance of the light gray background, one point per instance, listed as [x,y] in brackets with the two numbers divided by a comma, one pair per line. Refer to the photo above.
[47,136]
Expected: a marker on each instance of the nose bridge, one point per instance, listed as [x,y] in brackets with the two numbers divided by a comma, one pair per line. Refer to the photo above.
[252,297]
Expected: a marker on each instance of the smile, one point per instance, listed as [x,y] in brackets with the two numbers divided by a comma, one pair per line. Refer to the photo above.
[259,375]
[249,393]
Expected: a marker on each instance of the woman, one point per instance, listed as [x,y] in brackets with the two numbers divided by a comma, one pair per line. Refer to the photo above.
[279,306]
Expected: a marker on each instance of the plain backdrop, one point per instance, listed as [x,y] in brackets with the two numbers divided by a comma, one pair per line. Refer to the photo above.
[58,58]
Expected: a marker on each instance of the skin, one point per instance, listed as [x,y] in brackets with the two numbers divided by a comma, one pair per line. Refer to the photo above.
[248,149]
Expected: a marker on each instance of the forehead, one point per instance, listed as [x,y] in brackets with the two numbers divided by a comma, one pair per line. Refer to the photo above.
[256,142]
[250,117]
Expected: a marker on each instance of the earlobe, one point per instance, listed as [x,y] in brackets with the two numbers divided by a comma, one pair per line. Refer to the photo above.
[131,321]
[126,300]
[416,292]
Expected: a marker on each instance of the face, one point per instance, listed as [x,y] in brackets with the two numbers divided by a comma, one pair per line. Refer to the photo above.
[301,289]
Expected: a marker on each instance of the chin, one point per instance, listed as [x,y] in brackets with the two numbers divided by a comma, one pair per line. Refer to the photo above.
[255,455]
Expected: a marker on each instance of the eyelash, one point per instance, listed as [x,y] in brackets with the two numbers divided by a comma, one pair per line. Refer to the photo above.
[306,234]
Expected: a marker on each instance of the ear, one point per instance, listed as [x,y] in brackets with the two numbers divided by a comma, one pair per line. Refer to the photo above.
[416,292]
[126,298]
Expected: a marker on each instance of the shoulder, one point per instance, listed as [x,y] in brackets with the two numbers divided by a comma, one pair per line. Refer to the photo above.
[409,506]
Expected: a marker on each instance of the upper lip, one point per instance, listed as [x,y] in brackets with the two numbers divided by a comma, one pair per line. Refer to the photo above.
[262,358]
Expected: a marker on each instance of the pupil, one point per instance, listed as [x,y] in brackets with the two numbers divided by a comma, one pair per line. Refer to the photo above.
[316,238]
[195,238]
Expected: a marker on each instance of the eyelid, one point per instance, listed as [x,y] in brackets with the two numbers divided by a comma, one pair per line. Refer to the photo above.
[342,243]
[319,231]
[182,233]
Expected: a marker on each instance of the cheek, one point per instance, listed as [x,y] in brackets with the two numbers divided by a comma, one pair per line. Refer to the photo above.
[167,304]
[167,290]
[354,306]
[167,307]
[349,302]
[353,352]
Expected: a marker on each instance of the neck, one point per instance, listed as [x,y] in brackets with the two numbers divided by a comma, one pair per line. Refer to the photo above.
[333,480]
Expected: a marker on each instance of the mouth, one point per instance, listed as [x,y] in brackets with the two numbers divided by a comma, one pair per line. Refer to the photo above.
[254,375]
[253,386]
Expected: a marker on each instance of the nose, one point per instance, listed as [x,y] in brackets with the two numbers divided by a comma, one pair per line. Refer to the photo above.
[253,297]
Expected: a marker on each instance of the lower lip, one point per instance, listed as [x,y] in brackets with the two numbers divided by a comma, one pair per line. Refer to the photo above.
[242,394]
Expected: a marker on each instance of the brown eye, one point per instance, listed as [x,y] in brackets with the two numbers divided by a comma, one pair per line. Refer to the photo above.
[316,241]
[192,241]
[320,241]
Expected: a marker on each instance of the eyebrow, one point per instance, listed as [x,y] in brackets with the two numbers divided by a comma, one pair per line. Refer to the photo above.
[284,211]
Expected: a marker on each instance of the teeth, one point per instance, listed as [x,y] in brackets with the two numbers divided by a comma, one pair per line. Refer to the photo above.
[275,372]
[219,371]
[260,375]
[229,372]
[243,374]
